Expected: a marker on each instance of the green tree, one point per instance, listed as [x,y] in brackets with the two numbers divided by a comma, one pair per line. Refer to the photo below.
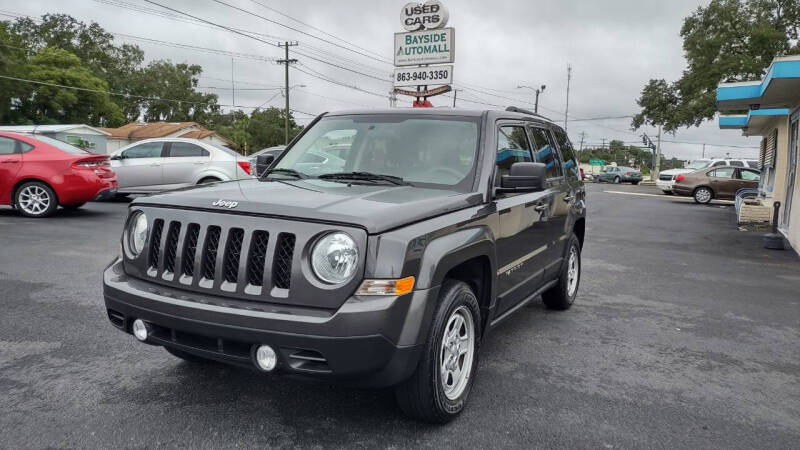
[262,128]
[51,104]
[728,40]
[173,86]
[12,60]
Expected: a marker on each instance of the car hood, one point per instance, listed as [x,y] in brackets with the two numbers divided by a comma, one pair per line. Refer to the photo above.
[376,208]
[675,171]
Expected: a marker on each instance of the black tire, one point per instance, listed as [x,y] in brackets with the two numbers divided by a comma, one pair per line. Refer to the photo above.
[559,297]
[422,396]
[73,206]
[703,195]
[208,180]
[634,183]
[667,192]
[188,357]
[616,180]
[21,195]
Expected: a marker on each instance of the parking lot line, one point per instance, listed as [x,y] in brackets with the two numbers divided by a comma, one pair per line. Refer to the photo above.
[668,197]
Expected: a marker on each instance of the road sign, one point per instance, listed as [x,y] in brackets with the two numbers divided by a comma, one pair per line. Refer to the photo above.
[424,47]
[418,76]
[597,162]
[424,16]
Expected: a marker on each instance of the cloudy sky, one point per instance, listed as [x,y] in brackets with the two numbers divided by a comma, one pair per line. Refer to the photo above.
[614,47]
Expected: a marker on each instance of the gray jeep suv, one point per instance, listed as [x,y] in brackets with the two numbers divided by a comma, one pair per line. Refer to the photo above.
[389,271]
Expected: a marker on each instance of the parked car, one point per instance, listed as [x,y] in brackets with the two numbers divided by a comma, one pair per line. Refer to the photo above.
[39,173]
[272,151]
[619,174]
[718,183]
[385,272]
[154,165]
[666,178]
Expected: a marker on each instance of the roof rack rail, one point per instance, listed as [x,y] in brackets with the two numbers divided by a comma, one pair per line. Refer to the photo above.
[525,111]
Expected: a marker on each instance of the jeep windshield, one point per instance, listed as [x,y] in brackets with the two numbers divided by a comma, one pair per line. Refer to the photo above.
[393,149]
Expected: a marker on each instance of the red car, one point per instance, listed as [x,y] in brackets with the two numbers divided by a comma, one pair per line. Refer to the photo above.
[39,173]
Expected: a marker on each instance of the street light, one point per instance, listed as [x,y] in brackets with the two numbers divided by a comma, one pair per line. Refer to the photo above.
[538,91]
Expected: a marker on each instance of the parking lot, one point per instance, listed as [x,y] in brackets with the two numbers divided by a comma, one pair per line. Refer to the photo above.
[684,334]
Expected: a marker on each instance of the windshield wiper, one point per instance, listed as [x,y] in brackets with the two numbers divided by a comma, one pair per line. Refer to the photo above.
[364,176]
[288,172]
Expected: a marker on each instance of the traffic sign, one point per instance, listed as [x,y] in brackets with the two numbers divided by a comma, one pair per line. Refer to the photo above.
[419,76]
[424,47]
[597,162]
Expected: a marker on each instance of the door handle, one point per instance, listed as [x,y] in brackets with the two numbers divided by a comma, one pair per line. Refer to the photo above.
[540,208]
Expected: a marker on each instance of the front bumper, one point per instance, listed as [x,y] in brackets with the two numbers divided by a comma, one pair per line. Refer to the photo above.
[366,342]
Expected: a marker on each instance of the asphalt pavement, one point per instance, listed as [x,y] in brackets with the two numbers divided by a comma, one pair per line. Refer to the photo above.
[685,334]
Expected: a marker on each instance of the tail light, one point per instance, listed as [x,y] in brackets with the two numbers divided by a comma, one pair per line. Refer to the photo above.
[627,174]
[583,175]
[245,165]
[90,164]
[680,178]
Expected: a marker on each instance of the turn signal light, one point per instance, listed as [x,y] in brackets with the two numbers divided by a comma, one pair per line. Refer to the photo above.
[680,178]
[386,287]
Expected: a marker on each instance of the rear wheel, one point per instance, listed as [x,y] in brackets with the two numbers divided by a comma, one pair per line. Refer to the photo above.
[187,356]
[667,192]
[437,391]
[703,195]
[562,295]
[616,180]
[35,199]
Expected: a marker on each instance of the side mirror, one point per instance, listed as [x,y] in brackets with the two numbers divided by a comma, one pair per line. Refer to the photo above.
[263,162]
[524,177]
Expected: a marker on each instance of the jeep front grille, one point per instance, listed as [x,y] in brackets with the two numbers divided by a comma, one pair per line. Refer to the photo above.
[210,252]
[282,268]
[190,249]
[155,243]
[257,257]
[233,252]
[172,246]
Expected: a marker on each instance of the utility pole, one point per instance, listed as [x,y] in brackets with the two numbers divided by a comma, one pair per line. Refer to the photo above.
[604,144]
[704,150]
[455,95]
[233,94]
[583,137]
[566,112]
[657,168]
[286,61]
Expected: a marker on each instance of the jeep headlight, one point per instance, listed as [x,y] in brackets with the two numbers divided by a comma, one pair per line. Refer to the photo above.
[334,258]
[137,233]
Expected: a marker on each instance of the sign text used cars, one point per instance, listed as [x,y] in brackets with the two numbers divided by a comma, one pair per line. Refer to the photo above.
[424,16]
[417,76]
[424,47]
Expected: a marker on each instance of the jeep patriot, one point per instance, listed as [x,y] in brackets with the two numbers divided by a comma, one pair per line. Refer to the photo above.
[385,264]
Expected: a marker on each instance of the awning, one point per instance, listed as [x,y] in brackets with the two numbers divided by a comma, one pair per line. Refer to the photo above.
[754,122]
[780,88]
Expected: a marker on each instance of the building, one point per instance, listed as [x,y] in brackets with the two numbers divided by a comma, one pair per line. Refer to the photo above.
[773,112]
[83,136]
[135,131]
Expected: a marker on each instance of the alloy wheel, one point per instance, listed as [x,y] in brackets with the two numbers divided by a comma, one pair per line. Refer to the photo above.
[34,200]
[703,195]
[573,271]
[457,352]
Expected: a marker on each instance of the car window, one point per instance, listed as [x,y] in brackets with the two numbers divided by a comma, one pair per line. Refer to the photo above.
[736,163]
[753,164]
[545,152]
[512,147]
[63,146]
[185,149]
[311,158]
[7,146]
[697,165]
[718,163]
[567,152]
[146,150]
[726,172]
[749,175]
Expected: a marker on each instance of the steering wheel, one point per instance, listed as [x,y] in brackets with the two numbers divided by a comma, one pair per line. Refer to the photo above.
[457,176]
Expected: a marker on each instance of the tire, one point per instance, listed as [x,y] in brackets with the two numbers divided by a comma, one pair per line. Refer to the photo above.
[703,195]
[73,206]
[423,396]
[208,180]
[616,180]
[667,192]
[35,199]
[188,357]
[634,183]
[562,295]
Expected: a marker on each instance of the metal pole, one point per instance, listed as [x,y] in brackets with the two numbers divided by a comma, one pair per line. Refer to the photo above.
[566,112]
[657,168]
[704,151]
[233,93]
[286,119]
[455,95]
[536,105]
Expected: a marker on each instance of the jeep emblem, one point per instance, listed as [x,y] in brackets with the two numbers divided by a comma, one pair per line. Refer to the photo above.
[225,204]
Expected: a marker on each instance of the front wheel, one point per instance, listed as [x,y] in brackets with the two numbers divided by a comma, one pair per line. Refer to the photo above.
[562,295]
[703,195]
[437,391]
[36,199]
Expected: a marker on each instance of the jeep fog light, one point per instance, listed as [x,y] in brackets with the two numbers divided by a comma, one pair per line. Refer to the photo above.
[386,287]
[266,359]
[140,330]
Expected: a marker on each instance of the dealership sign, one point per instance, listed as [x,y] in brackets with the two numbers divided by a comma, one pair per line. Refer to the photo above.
[416,76]
[424,16]
[424,47]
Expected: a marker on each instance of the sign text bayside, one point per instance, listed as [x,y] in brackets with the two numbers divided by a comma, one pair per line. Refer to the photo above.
[424,47]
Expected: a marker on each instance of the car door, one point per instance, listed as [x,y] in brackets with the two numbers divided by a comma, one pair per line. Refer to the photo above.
[559,190]
[723,181]
[749,178]
[182,162]
[521,240]
[10,164]
[139,168]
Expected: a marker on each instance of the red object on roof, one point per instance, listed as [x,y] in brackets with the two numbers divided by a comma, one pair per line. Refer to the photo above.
[423,104]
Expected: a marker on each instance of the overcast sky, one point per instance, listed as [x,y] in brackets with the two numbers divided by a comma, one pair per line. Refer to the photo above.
[614,47]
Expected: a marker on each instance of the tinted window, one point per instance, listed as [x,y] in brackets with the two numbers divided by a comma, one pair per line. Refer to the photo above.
[726,172]
[25,147]
[146,150]
[545,152]
[567,152]
[750,175]
[736,163]
[512,146]
[753,164]
[7,146]
[63,146]
[184,149]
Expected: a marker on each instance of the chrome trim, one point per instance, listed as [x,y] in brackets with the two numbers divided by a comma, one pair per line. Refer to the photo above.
[522,259]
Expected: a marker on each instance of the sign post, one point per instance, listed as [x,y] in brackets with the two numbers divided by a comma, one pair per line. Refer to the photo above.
[424,54]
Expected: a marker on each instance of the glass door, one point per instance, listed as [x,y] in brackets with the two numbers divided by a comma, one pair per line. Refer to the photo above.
[791,173]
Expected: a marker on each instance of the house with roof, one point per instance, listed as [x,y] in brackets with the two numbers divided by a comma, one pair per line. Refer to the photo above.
[83,136]
[772,111]
[136,131]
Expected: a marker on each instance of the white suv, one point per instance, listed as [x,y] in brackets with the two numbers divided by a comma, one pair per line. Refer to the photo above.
[666,178]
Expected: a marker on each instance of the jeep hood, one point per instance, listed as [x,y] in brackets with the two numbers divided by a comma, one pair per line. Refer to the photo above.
[376,208]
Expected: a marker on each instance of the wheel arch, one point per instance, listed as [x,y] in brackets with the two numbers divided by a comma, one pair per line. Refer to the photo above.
[28,179]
